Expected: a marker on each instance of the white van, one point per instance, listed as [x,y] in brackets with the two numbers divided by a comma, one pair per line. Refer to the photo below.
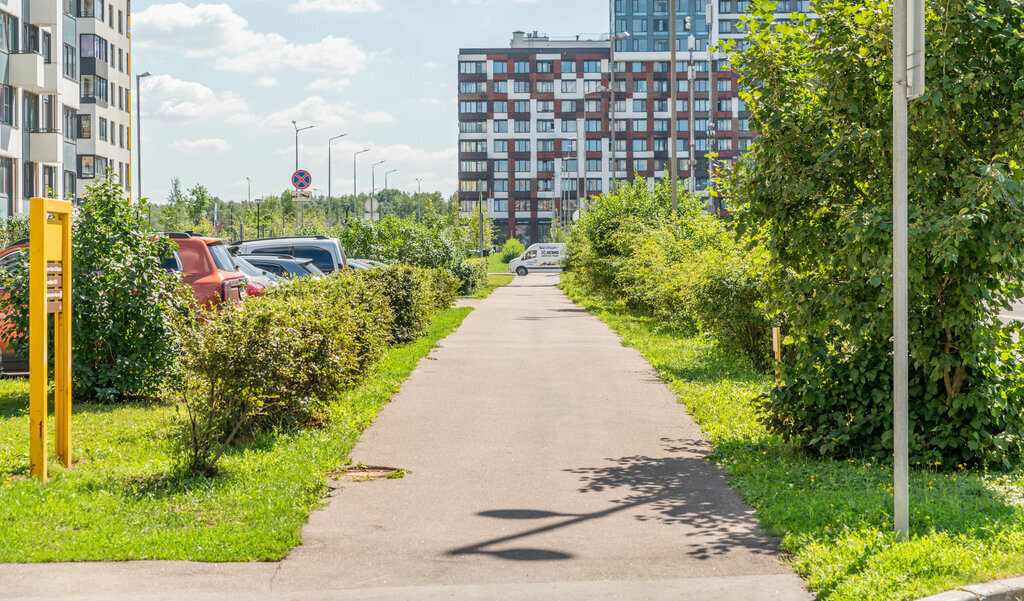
[539,257]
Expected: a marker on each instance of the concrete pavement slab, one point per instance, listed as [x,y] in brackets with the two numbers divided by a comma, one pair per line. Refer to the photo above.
[545,461]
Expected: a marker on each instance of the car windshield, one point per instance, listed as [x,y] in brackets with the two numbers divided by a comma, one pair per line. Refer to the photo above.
[311,268]
[222,258]
[248,268]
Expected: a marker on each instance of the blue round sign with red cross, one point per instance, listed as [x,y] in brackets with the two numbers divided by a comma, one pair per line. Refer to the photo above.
[301,179]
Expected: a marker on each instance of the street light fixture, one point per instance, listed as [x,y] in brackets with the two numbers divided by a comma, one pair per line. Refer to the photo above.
[329,197]
[355,193]
[386,180]
[373,186]
[297,130]
[138,133]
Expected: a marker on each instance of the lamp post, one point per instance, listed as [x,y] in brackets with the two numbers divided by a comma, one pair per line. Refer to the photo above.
[248,182]
[386,183]
[138,133]
[419,199]
[673,168]
[611,95]
[297,130]
[355,193]
[329,197]
[691,43]
[373,186]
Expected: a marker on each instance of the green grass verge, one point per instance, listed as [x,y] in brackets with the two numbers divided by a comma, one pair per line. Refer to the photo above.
[495,264]
[833,517]
[494,281]
[119,502]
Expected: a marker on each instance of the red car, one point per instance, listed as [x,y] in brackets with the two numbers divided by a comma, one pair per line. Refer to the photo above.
[208,268]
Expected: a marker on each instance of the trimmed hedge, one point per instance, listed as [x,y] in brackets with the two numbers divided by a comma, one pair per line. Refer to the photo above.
[472,274]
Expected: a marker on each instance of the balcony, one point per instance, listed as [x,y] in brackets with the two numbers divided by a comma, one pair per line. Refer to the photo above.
[26,70]
[44,13]
[47,146]
[51,77]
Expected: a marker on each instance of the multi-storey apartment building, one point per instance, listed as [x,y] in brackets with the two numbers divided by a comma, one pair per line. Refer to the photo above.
[534,145]
[104,133]
[38,101]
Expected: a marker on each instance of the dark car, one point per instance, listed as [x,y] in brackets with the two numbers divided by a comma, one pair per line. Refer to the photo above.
[284,265]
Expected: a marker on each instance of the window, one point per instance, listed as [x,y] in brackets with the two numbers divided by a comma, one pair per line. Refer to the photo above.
[700,124]
[521,106]
[523,185]
[500,106]
[640,105]
[521,66]
[569,185]
[6,105]
[637,67]
[744,124]
[620,126]
[724,105]
[701,66]
[568,86]
[724,85]
[473,185]
[593,145]
[8,33]
[30,111]
[120,136]
[741,105]
[70,124]
[620,106]
[593,165]
[661,125]
[120,60]
[70,60]
[500,145]
[545,145]
[592,125]
[500,66]
[546,126]
[744,144]
[501,204]
[639,85]
[472,166]
[103,129]
[522,166]
[660,145]
[473,106]
[501,165]
[545,106]
[639,124]
[94,89]
[681,105]
[522,146]
[545,185]
[89,166]
[472,146]
[660,85]
[701,105]
[501,185]
[700,144]
[724,125]
[661,106]
[545,165]
[521,126]
[682,85]
[568,66]
[501,87]
[545,87]
[639,165]
[545,66]
[501,126]
[93,46]
[592,106]
[725,144]
[620,145]
[568,126]
[466,127]
[640,145]
[568,145]
[471,87]
[472,67]
[701,85]
[594,185]
[568,106]
[570,165]
[521,87]
[120,21]
[591,66]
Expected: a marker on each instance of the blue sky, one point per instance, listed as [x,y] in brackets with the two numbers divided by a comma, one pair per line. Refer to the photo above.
[229,77]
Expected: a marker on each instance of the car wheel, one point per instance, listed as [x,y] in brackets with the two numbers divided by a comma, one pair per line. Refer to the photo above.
[521,271]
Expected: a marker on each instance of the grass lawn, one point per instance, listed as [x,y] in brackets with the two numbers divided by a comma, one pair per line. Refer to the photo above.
[834,517]
[494,281]
[495,264]
[118,501]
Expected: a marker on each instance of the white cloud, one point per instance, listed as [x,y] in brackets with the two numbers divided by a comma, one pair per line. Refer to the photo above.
[312,110]
[377,117]
[180,100]
[329,84]
[216,31]
[432,65]
[335,6]
[203,146]
[265,82]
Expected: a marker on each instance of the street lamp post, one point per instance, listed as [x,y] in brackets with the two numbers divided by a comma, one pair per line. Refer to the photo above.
[329,197]
[355,193]
[373,186]
[419,199]
[248,182]
[386,183]
[297,130]
[673,175]
[691,43]
[138,133]
[611,94]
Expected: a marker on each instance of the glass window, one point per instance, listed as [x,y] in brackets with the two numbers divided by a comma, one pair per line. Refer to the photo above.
[568,86]
[545,106]
[70,61]
[546,125]
[93,46]
[501,165]
[545,66]
[522,126]
[568,66]
[545,145]
[545,87]
[472,67]
[568,126]
[521,87]
[94,88]
[523,185]
[522,145]
[639,85]
[500,106]
[639,105]
[501,126]
[8,33]
[593,145]
[591,66]
[545,165]
[521,66]
[639,124]
[501,87]
[522,166]
[500,66]
[568,106]
[501,146]
[501,185]
[85,126]
[6,105]
[103,129]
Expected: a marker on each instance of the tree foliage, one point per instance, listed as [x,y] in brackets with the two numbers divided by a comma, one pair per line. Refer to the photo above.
[817,190]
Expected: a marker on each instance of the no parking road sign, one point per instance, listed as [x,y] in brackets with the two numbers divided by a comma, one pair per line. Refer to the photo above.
[301,179]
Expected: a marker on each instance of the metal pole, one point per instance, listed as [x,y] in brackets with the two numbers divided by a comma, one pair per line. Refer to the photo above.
[330,199]
[691,42]
[672,99]
[611,95]
[355,193]
[138,134]
[480,209]
[899,272]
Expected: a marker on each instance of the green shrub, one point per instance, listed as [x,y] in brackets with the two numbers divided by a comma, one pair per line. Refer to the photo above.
[410,294]
[472,275]
[512,249]
[444,287]
[123,301]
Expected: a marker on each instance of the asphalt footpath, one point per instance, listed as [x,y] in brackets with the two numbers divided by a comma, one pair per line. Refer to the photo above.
[545,462]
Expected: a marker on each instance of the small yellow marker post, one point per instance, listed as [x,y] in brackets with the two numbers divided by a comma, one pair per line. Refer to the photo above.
[49,292]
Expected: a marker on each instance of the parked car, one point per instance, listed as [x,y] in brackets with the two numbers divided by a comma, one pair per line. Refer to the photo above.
[208,268]
[373,263]
[543,257]
[326,252]
[259,279]
[359,264]
[284,266]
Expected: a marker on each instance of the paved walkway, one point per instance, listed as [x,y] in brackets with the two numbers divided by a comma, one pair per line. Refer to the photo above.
[547,462]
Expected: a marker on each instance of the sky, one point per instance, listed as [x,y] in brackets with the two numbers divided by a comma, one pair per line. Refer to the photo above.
[229,77]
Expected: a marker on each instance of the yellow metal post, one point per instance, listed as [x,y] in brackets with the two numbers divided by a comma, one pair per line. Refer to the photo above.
[37,364]
[49,292]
